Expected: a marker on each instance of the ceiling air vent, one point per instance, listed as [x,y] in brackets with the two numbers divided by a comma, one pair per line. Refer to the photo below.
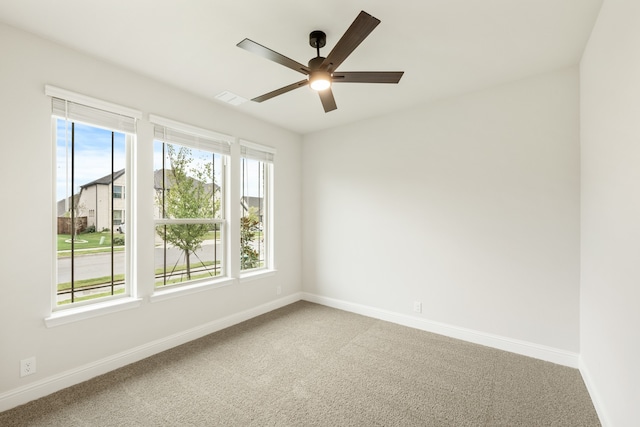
[230,98]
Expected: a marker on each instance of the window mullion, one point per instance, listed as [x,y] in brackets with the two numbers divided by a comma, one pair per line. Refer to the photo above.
[111,223]
[72,212]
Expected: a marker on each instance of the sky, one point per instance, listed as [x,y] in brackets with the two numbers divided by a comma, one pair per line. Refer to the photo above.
[92,160]
[93,156]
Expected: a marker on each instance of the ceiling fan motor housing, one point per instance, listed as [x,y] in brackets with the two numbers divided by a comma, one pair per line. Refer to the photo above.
[314,63]
[317,39]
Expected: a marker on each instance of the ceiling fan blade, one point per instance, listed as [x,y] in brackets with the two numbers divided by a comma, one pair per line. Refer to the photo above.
[328,101]
[280,91]
[274,56]
[355,34]
[367,77]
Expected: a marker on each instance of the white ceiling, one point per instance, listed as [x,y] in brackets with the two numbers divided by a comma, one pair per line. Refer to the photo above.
[445,47]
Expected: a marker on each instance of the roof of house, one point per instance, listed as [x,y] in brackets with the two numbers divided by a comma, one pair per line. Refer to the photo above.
[252,201]
[157,180]
[105,180]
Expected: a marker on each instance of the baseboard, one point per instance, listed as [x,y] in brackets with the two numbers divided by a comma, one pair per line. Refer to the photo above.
[549,354]
[77,375]
[595,396]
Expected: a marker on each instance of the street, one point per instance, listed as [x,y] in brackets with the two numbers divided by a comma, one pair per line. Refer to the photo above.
[99,265]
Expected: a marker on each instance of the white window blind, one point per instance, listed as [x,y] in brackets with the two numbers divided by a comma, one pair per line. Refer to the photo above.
[170,131]
[83,109]
[250,150]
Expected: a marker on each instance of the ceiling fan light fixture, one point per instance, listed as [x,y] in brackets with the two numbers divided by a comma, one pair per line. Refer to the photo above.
[320,80]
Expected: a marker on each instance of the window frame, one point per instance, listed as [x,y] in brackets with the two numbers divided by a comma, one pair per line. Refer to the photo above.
[61,314]
[128,287]
[230,228]
[214,142]
[265,154]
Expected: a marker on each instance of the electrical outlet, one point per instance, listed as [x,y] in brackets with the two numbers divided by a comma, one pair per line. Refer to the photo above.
[417,306]
[27,366]
[278,290]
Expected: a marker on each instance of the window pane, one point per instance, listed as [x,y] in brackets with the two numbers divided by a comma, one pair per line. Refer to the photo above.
[90,259]
[253,214]
[118,217]
[175,266]
[188,209]
[118,192]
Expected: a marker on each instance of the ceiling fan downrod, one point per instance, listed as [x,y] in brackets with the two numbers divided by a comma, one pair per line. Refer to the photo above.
[317,40]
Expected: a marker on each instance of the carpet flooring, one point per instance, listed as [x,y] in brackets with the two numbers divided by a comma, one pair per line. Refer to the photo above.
[310,365]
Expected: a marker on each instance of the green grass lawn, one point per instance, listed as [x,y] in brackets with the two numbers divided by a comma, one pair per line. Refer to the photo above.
[97,241]
[105,294]
[90,243]
[120,277]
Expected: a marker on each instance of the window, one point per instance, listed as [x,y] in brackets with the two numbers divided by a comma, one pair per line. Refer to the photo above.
[92,150]
[117,217]
[256,166]
[118,192]
[95,192]
[190,190]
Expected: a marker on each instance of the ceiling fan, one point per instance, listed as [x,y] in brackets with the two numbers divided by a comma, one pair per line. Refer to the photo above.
[321,71]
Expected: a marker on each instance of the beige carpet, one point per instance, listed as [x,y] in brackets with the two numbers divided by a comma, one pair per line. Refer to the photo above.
[310,365]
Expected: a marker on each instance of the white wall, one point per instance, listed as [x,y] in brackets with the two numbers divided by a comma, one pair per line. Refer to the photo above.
[610,229]
[470,205]
[28,63]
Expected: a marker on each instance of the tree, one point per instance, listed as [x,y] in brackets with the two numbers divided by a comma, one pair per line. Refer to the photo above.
[187,195]
[249,229]
[73,213]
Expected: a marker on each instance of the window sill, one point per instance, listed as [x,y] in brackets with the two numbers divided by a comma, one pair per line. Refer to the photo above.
[70,315]
[255,275]
[179,291]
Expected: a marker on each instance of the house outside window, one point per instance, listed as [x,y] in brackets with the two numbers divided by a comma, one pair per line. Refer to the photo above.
[97,196]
